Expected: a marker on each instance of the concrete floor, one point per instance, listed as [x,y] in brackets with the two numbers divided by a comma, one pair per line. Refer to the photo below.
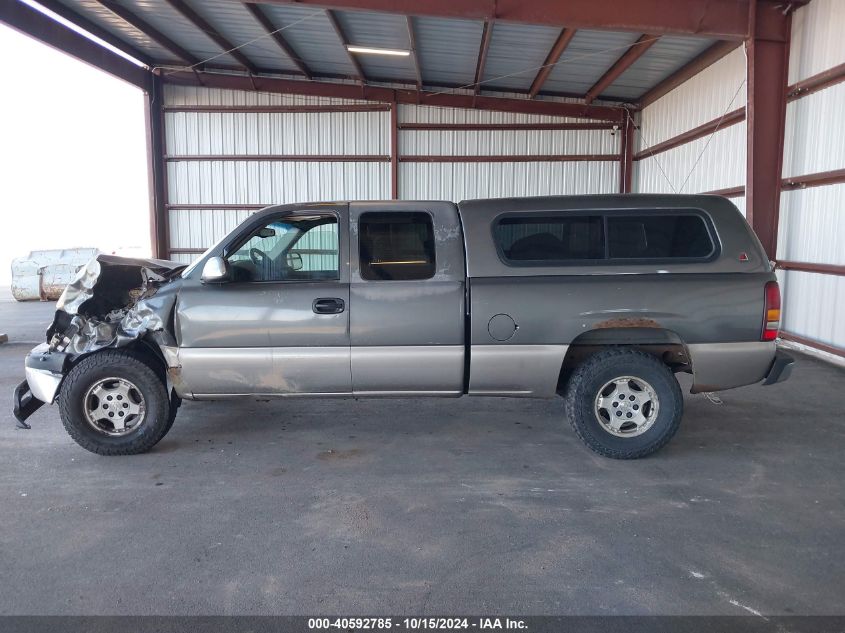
[473,506]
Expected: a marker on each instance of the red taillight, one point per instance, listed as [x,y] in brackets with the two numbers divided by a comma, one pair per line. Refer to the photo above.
[771,312]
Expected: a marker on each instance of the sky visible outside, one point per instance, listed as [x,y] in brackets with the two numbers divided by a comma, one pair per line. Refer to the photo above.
[73,170]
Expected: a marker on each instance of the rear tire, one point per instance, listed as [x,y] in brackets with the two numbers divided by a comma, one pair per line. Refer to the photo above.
[113,403]
[623,403]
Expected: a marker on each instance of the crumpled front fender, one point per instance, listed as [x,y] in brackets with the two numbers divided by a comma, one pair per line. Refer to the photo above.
[112,302]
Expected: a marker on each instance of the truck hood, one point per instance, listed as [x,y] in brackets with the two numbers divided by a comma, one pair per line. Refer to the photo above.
[110,303]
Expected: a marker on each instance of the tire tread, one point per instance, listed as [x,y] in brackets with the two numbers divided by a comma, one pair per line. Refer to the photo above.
[107,359]
[594,365]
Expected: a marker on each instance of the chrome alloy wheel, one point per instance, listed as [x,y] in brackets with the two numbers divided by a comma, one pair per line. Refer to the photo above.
[626,406]
[114,406]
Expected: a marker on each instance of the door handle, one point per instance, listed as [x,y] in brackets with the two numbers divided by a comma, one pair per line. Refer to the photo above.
[328,305]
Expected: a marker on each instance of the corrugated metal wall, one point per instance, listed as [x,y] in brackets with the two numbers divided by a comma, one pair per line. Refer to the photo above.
[812,220]
[208,198]
[210,190]
[812,224]
[464,180]
[706,164]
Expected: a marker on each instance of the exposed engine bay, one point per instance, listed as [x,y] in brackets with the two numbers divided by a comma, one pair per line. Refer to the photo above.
[109,304]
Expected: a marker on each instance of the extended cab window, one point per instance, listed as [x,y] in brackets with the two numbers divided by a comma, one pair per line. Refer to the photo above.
[658,237]
[292,248]
[396,246]
[550,238]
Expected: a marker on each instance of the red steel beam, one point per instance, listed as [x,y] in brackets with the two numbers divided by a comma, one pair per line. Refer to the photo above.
[688,70]
[634,52]
[394,151]
[287,158]
[156,171]
[94,29]
[507,158]
[39,26]
[295,109]
[149,30]
[216,207]
[474,127]
[203,25]
[273,31]
[822,80]
[552,58]
[768,63]
[833,177]
[486,36]
[820,179]
[809,267]
[731,118]
[415,57]
[381,94]
[359,71]
[626,158]
[719,19]
[809,342]
[729,192]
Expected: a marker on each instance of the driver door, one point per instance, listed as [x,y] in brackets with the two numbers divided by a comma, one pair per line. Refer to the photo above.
[280,325]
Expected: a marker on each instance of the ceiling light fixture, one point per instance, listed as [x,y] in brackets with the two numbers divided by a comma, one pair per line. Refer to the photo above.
[369,50]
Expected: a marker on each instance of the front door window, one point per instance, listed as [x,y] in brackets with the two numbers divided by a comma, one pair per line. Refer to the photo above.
[292,248]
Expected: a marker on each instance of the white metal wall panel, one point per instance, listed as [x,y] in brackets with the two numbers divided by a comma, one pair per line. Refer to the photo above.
[212,133]
[507,142]
[815,133]
[432,114]
[239,182]
[708,95]
[812,225]
[200,228]
[816,43]
[813,306]
[258,182]
[705,164]
[812,222]
[465,181]
[462,181]
[234,182]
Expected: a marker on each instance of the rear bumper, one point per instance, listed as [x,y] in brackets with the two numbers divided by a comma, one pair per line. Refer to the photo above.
[781,368]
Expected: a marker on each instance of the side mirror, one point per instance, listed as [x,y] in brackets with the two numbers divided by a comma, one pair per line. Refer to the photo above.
[294,261]
[215,270]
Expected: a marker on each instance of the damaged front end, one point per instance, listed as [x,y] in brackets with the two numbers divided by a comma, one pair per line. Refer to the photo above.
[112,302]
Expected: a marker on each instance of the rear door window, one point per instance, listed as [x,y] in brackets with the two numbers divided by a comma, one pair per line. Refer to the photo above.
[396,246]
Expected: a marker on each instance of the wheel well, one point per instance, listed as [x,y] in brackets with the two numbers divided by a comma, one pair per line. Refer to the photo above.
[145,351]
[665,345]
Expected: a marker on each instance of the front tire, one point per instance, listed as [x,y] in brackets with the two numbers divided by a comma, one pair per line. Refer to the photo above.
[623,403]
[113,403]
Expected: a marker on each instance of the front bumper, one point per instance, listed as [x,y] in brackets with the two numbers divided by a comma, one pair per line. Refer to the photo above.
[781,368]
[44,373]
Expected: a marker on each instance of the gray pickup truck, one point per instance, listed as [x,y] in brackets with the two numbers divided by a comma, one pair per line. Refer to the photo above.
[600,299]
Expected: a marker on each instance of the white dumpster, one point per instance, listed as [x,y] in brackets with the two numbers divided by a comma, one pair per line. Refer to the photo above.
[43,275]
